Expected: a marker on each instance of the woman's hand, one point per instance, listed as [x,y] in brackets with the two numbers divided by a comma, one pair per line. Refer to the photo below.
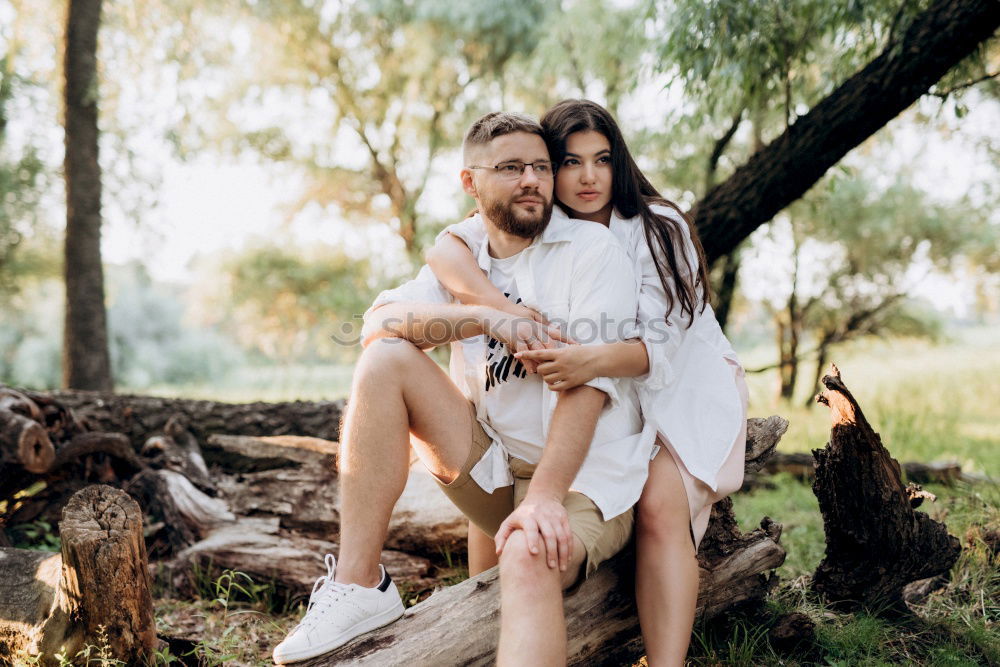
[565,367]
[521,329]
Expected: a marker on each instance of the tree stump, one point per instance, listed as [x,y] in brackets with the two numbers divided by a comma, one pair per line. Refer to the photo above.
[875,542]
[98,588]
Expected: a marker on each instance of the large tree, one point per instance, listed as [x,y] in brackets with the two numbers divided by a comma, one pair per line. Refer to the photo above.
[935,41]
[749,70]
[86,362]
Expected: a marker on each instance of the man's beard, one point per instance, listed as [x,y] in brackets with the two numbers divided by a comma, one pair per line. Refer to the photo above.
[502,214]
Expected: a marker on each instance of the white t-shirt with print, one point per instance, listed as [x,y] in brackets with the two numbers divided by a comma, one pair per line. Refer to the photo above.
[512,397]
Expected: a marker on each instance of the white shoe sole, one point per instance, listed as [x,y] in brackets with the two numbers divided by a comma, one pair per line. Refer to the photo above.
[363,626]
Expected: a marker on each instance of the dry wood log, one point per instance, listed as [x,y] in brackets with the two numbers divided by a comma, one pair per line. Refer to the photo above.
[458,625]
[875,542]
[99,583]
[24,441]
[96,442]
[798,464]
[239,453]
[139,417]
[802,466]
[939,472]
[258,547]
[302,498]
[15,401]
[59,420]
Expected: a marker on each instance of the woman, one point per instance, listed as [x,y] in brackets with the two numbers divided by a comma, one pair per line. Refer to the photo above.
[690,382]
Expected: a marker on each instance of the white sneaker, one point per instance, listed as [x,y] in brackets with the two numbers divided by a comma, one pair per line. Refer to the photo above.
[338,613]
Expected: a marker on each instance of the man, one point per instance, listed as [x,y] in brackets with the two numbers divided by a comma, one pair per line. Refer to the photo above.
[552,474]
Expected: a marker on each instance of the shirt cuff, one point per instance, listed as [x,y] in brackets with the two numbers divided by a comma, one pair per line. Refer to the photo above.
[660,370]
[609,387]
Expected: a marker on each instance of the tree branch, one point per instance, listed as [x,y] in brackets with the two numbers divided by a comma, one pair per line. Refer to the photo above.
[968,84]
[781,172]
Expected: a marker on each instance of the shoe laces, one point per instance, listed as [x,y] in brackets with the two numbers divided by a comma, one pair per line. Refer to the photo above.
[325,592]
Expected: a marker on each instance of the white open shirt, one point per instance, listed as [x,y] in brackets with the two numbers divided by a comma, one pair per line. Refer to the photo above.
[689,396]
[574,272]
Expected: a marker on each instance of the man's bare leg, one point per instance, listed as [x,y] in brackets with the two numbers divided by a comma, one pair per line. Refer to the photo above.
[482,551]
[532,622]
[397,389]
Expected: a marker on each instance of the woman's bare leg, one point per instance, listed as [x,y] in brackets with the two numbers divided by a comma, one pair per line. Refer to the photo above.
[482,551]
[666,585]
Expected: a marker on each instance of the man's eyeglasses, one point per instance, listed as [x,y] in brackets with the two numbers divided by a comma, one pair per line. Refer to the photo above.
[515,169]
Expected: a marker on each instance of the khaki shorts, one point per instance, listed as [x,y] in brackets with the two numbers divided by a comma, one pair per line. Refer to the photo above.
[601,539]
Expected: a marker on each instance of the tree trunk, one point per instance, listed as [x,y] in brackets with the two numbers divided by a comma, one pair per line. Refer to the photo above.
[86,362]
[726,292]
[788,351]
[938,39]
[821,356]
[876,543]
[139,417]
[95,593]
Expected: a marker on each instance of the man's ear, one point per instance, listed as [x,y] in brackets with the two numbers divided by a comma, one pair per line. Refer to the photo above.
[468,184]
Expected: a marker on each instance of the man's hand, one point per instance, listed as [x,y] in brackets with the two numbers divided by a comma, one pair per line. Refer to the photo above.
[545,524]
[565,367]
[521,330]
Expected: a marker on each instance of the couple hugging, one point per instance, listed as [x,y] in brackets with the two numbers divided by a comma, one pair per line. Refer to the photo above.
[554,440]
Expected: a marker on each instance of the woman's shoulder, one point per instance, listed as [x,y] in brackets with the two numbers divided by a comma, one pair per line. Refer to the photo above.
[669,212]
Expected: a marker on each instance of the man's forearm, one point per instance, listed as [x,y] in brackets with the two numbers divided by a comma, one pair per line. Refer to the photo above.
[427,325]
[570,435]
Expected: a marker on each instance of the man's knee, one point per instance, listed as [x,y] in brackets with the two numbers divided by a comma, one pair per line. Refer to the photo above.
[518,566]
[387,357]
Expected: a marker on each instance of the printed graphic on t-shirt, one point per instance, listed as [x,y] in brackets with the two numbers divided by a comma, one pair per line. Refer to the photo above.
[500,361]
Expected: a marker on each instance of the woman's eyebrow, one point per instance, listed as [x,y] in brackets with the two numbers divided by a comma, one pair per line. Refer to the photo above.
[600,152]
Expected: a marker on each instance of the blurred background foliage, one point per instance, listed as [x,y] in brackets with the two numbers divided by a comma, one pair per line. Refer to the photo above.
[355,110]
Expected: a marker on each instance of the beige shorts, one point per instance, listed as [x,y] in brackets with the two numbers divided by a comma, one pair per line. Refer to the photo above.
[601,539]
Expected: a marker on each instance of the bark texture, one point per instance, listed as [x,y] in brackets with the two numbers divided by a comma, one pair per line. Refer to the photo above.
[876,543]
[96,592]
[139,417]
[778,174]
[23,441]
[104,570]
[86,361]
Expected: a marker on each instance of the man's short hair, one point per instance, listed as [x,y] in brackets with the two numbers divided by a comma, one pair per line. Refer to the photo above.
[496,124]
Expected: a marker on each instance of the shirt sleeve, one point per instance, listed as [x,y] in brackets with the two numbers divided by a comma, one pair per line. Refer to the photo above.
[472,231]
[662,332]
[603,302]
[424,288]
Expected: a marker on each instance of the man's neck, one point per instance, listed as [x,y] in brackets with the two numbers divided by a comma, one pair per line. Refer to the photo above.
[503,245]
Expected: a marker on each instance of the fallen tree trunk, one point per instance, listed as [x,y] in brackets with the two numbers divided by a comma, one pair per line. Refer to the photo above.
[140,416]
[258,547]
[458,625]
[876,543]
[803,467]
[96,592]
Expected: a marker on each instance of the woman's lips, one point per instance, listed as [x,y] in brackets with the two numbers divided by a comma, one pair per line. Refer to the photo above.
[588,196]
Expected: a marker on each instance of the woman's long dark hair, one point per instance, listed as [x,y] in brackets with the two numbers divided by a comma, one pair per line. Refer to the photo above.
[632,194]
